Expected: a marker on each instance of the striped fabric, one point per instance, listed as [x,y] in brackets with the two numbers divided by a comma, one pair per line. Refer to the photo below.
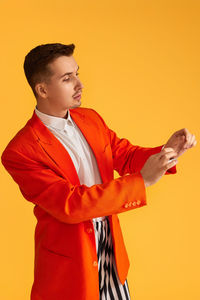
[110,288]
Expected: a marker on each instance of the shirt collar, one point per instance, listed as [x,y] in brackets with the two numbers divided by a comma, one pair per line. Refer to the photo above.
[55,122]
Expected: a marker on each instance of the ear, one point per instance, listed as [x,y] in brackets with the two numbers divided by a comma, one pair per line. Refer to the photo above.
[41,90]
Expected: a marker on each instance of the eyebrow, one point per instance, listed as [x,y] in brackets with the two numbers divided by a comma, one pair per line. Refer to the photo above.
[68,73]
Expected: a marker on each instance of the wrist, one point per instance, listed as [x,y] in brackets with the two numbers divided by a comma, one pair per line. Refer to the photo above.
[146,183]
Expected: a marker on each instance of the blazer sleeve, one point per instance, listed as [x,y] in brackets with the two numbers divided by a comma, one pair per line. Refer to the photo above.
[128,158]
[72,203]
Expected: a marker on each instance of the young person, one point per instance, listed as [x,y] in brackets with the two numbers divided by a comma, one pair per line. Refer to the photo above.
[63,161]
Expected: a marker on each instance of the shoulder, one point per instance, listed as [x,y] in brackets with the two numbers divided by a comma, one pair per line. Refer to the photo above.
[21,141]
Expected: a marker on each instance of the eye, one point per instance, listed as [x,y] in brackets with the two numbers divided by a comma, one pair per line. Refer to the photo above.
[67,79]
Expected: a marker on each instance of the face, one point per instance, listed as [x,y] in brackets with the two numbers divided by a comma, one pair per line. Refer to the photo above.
[64,86]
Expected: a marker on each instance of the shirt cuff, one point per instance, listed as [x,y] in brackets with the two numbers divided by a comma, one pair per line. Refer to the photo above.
[162,147]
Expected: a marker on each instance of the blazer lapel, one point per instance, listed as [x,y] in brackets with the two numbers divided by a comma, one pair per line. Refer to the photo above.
[96,141]
[60,155]
[54,148]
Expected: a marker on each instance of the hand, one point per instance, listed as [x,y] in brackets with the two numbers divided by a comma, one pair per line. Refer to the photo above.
[181,141]
[157,164]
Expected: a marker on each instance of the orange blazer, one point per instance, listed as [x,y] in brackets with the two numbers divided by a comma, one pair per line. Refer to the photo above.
[65,265]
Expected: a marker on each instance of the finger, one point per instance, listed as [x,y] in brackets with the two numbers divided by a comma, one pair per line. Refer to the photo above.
[166,150]
[188,137]
[168,157]
[189,143]
[193,141]
[188,140]
[170,164]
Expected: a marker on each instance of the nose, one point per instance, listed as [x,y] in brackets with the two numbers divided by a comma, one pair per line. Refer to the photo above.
[79,84]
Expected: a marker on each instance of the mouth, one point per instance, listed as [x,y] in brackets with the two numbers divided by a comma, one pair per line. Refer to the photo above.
[77,96]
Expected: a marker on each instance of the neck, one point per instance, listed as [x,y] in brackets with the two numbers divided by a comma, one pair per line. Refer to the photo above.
[52,112]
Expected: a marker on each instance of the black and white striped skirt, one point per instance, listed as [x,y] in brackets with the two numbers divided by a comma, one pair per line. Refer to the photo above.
[110,287]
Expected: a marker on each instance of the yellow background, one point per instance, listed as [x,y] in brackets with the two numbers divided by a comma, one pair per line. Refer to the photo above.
[140,64]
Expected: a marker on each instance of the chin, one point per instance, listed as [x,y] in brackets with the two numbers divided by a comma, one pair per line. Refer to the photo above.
[76,105]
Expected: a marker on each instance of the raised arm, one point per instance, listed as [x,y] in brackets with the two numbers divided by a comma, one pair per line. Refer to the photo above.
[128,158]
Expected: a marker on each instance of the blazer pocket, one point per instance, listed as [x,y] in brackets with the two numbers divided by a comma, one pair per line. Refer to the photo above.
[61,239]
[56,252]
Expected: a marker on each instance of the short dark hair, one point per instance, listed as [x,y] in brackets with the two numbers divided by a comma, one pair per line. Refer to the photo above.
[36,62]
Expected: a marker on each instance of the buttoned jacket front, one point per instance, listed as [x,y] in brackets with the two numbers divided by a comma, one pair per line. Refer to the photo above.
[65,265]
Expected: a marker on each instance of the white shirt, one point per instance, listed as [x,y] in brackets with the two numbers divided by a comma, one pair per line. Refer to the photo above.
[71,137]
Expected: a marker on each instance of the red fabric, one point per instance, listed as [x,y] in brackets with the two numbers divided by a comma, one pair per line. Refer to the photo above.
[65,251]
